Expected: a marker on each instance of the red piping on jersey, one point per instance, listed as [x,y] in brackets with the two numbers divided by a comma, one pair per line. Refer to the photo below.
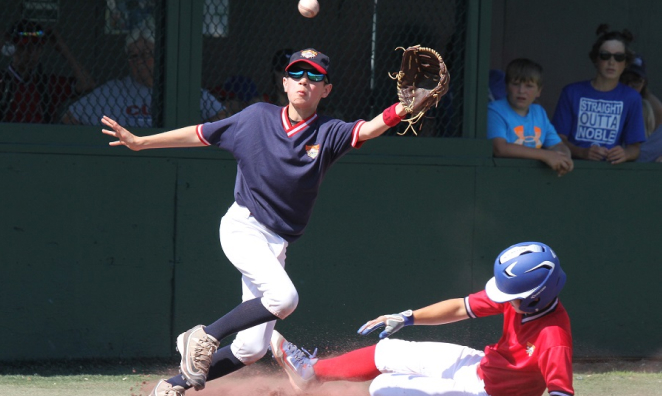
[293,130]
[467,306]
[198,131]
[355,134]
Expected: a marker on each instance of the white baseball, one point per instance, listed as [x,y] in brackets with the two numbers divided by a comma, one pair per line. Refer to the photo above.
[309,8]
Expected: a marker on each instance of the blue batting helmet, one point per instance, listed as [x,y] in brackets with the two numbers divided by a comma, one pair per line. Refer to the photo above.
[529,271]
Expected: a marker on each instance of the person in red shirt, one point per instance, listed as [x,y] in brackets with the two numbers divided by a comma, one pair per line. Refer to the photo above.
[27,93]
[534,352]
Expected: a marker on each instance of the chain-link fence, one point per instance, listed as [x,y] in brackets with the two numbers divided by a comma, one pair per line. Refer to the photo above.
[246,42]
[71,61]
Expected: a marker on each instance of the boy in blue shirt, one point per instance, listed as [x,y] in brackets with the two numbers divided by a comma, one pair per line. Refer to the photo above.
[519,128]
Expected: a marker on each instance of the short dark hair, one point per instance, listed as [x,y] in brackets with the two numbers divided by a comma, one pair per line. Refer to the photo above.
[604,34]
[524,70]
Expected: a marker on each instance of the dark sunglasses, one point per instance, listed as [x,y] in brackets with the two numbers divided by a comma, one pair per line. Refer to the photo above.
[312,76]
[618,57]
[38,33]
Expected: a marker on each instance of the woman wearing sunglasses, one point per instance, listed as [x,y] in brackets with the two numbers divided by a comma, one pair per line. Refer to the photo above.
[601,119]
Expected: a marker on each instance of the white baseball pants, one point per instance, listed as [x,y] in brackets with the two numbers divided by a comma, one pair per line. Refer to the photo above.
[426,369]
[259,254]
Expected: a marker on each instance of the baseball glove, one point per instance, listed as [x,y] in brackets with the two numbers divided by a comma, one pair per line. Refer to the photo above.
[422,80]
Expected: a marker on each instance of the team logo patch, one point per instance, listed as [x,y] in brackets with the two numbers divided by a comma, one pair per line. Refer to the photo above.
[530,348]
[313,150]
[309,54]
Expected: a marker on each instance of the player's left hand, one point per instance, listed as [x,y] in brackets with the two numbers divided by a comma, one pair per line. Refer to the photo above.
[392,323]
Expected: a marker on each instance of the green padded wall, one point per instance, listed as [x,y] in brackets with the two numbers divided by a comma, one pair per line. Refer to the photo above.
[86,255]
[109,253]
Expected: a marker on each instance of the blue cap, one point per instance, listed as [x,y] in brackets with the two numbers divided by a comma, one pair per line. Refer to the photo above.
[638,66]
[313,57]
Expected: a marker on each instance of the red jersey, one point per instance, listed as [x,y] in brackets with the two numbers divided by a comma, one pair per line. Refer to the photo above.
[37,99]
[534,352]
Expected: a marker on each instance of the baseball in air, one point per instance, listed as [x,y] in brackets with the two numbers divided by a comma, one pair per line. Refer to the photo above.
[309,8]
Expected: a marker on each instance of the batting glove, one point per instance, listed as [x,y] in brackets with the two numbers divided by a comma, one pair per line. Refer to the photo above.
[392,322]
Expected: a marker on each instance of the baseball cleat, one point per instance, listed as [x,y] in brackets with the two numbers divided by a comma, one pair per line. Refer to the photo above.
[196,348]
[297,364]
[164,388]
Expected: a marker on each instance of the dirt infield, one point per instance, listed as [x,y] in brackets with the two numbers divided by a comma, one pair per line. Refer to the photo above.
[262,379]
[269,385]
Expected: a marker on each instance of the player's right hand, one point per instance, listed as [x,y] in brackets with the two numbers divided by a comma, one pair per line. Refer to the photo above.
[392,323]
[124,137]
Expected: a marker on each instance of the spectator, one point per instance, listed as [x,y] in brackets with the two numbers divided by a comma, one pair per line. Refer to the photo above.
[129,100]
[649,117]
[601,119]
[635,77]
[237,93]
[518,127]
[534,352]
[651,149]
[27,93]
[497,85]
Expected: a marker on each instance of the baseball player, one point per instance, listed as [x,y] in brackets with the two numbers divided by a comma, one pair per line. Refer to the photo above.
[533,354]
[282,156]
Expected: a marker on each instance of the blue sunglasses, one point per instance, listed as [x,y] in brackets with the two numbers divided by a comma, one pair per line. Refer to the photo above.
[312,76]
[38,33]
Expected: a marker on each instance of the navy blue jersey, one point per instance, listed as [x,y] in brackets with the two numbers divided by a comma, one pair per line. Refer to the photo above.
[280,166]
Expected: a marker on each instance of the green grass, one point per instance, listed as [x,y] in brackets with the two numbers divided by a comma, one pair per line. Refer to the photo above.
[78,378]
[631,378]
[70,385]
[619,383]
